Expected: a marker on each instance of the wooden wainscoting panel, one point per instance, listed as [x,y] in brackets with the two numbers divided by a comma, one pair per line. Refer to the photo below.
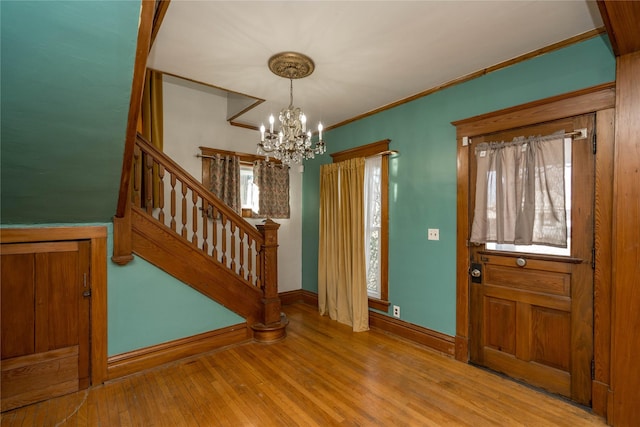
[32,378]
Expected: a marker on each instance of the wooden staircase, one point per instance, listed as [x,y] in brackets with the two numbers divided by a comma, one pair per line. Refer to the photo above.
[175,223]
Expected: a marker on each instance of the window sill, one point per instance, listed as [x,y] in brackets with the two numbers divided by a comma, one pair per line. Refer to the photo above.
[379,304]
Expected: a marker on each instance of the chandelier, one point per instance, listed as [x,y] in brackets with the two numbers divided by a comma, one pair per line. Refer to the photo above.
[291,142]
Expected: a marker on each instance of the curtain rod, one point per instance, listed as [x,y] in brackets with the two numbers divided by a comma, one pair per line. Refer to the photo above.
[576,135]
[205,156]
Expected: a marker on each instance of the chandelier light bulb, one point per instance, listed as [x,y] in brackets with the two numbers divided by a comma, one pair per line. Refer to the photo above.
[262,129]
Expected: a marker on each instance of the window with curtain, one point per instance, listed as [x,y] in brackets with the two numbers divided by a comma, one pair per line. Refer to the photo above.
[376,222]
[521,192]
[256,188]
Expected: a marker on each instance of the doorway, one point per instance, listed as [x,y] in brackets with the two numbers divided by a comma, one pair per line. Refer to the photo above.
[532,305]
[589,385]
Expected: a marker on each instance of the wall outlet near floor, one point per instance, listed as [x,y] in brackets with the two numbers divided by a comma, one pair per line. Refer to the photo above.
[433,234]
[396,311]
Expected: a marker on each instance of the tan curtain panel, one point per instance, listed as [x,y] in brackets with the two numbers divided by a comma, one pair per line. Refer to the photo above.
[224,179]
[273,182]
[151,126]
[520,192]
[342,284]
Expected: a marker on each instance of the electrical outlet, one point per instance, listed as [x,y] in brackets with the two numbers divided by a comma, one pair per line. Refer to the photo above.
[433,234]
[396,311]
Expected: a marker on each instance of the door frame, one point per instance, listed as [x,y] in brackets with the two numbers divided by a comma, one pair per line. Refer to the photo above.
[97,235]
[598,99]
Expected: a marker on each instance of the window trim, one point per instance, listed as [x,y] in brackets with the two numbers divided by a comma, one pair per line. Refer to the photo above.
[369,150]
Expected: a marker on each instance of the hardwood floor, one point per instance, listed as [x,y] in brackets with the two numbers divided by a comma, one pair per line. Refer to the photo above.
[322,374]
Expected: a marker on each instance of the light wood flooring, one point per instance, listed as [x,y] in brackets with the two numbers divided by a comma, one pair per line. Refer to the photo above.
[322,374]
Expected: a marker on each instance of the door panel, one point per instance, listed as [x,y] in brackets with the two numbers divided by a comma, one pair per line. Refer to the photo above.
[45,321]
[18,291]
[531,315]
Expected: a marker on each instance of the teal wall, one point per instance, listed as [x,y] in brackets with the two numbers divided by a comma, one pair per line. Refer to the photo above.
[422,181]
[66,73]
[147,306]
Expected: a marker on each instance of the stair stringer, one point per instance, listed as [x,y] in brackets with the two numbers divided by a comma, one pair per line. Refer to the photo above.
[168,251]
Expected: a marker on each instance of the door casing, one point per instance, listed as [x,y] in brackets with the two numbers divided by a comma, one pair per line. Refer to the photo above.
[601,100]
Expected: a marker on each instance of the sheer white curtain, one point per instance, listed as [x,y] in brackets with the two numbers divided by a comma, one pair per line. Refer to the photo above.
[372,222]
[520,195]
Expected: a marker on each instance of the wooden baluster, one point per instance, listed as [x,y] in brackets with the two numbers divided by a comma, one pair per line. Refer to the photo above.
[194,217]
[148,183]
[184,210]
[205,227]
[242,234]
[223,221]
[137,177]
[173,202]
[214,228]
[258,267]
[271,301]
[161,193]
[233,246]
[249,258]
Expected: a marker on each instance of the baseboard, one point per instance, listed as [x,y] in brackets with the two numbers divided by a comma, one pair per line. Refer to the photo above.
[432,339]
[299,295]
[151,357]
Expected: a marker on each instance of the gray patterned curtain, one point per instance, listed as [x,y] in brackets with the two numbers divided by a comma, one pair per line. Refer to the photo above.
[273,182]
[224,180]
[520,196]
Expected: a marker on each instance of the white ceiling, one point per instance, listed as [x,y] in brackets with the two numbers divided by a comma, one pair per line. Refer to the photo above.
[367,54]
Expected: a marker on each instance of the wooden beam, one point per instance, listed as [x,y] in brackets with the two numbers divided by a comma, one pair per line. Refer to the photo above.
[622,20]
[625,369]
[137,86]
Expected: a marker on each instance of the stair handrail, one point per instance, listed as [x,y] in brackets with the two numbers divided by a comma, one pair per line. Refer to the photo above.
[234,243]
[170,164]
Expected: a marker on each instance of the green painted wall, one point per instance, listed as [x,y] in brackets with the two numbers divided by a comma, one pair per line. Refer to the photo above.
[66,73]
[422,182]
[147,306]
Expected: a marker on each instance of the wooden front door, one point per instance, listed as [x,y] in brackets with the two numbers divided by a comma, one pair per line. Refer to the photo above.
[45,320]
[531,313]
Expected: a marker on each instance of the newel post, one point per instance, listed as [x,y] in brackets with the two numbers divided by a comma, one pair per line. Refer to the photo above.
[270,299]
[122,244]
[274,322]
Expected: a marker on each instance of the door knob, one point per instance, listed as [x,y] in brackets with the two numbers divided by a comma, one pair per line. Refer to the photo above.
[475,273]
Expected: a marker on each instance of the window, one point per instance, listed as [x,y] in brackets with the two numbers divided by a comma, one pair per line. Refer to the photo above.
[255,175]
[544,249]
[249,191]
[376,217]
[372,222]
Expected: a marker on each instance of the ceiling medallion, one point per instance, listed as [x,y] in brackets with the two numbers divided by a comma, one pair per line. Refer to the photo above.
[291,65]
[291,143]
